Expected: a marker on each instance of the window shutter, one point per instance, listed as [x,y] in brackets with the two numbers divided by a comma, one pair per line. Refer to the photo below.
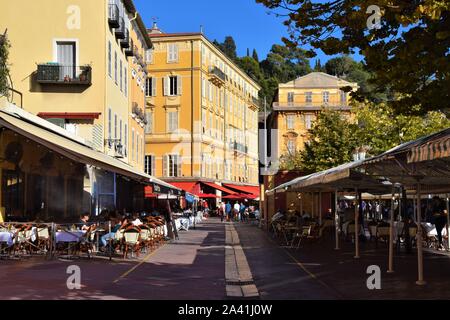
[178,166]
[179,85]
[153,167]
[166,86]
[154,83]
[165,165]
[175,52]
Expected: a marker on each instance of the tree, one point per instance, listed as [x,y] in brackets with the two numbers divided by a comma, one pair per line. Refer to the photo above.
[347,68]
[318,66]
[229,48]
[331,143]
[251,68]
[4,69]
[381,129]
[406,49]
[255,55]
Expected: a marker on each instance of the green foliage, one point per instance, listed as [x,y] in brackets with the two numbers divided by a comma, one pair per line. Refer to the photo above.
[347,68]
[381,129]
[332,142]
[408,53]
[376,127]
[255,55]
[4,70]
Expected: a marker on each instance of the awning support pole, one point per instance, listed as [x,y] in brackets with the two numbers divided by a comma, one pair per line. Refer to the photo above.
[356,225]
[336,218]
[448,218]
[420,281]
[320,208]
[391,234]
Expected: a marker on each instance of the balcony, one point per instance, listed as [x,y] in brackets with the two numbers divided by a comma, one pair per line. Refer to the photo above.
[311,106]
[130,51]
[125,42]
[67,75]
[255,102]
[238,147]
[120,31]
[118,150]
[217,76]
[113,16]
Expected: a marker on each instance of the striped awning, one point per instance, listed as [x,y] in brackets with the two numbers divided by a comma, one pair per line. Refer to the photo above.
[431,150]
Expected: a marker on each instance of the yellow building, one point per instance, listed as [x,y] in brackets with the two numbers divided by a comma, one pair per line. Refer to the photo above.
[202,113]
[81,64]
[73,61]
[297,104]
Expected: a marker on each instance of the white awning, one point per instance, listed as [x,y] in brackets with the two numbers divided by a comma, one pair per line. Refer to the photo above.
[72,149]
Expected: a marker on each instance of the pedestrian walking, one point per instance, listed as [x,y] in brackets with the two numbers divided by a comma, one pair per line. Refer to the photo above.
[228,211]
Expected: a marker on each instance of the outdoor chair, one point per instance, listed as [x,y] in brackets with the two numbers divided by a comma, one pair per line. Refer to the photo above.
[24,240]
[382,233]
[350,231]
[146,237]
[131,241]
[300,235]
[43,238]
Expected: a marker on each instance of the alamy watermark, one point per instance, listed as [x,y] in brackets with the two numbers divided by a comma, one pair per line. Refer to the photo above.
[74,280]
[374,280]
[374,20]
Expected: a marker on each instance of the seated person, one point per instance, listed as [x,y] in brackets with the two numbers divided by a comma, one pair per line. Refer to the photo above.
[136,221]
[84,219]
[111,235]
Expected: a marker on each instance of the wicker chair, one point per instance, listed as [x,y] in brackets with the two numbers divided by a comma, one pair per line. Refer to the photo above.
[131,241]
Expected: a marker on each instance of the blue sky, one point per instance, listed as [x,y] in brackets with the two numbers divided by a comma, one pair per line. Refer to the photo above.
[247,21]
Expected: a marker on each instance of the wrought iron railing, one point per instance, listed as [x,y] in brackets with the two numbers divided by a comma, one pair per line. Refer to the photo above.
[64,74]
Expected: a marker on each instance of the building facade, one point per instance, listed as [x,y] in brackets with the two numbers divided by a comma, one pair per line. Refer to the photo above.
[202,113]
[80,64]
[297,104]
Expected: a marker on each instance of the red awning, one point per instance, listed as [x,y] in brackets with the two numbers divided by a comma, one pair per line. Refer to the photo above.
[253,190]
[70,115]
[206,195]
[186,186]
[217,187]
[239,196]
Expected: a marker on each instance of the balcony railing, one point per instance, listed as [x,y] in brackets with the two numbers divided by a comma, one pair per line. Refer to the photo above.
[125,42]
[62,74]
[120,31]
[311,105]
[130,51]
[238,147]
[256,102]
[218,77]
[113,16]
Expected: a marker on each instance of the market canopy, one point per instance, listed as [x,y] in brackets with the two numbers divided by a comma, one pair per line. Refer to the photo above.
[245,189]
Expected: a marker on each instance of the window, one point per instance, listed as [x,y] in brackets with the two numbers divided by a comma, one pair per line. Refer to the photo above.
[172,86]
[115,126]
[126,81]
[109,124]
[203,120]
[150,87]
[109,59]
[343,97]
[133,155]
[120,131]
[308,121]
[308,97]
[136,158]
[210,124]
[149,165]
[290,119]
[203,87]
[115,67]
[125,141]
[149,125]
[291,146]
[172,121]
[121,76]
[172,165]
[172,52]
[210,94]
[326,97]
[149,56]
[290,97]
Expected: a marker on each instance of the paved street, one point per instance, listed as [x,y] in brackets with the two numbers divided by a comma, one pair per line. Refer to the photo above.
[228,261]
